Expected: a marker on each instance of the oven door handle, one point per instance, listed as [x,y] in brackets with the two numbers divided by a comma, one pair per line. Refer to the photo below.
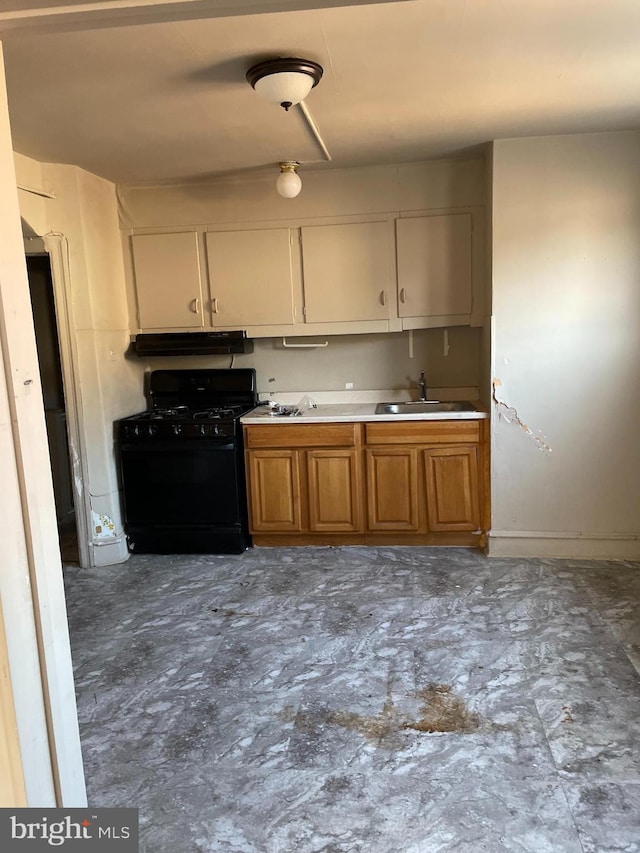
[179,446]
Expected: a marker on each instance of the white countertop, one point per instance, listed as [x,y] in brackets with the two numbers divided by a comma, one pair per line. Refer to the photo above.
[349,412]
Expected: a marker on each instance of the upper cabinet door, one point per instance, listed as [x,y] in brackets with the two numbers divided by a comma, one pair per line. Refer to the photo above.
[346,272]
[167,273]
[250,277]
[434,265]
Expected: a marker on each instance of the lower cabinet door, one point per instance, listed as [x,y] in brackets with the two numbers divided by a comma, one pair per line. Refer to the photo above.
[335,504]
[274,481]
[451,477]
[392,488]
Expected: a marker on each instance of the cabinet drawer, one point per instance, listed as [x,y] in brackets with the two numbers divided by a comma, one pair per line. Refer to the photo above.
[301,435]
[422,432]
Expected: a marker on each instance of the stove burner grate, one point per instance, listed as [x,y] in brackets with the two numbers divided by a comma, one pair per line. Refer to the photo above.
[173,412]
[217,412]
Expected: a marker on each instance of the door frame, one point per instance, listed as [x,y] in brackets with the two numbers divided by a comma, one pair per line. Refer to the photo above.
[37,630]
[12,787]
[56,247]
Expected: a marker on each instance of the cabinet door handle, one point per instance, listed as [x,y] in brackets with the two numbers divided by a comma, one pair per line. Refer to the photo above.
[214,304]
[383,297]
[403,295]
[195,305]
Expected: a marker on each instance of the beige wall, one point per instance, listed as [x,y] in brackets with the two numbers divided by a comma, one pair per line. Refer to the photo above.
[339,192]
[108,386]
[566,303]
[369,362]
[379,361]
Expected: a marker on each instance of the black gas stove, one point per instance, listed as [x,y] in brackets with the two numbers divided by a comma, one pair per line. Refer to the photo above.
[180,421]
[182,463]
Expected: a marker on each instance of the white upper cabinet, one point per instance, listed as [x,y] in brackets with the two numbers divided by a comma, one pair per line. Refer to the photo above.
[250,277]
[167,277]
[347,272]
[387,273]
[434,257]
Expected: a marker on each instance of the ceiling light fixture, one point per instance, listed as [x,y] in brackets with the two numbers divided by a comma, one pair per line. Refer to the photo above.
[288,182]
[285,80]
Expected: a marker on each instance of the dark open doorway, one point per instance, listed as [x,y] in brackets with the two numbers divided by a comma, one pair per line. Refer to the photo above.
[44,318]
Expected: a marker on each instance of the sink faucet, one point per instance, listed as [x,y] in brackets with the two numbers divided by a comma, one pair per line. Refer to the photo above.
[422,387]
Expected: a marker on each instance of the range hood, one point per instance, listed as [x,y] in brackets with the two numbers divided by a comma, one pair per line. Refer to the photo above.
[192,343]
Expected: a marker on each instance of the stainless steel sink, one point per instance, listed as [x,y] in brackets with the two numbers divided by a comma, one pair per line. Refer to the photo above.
[422,408]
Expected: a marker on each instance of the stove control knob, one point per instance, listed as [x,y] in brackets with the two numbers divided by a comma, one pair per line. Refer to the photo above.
[176,429]
[152,429]
[203,429]
[135,429]
[217,430]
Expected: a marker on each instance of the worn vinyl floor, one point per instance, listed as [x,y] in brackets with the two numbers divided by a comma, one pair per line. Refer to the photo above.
[379,700]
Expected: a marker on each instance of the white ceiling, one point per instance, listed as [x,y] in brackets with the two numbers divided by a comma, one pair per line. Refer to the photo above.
[127,90]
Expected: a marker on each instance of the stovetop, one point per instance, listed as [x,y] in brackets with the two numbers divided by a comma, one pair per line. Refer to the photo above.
[182,422]
[193,404]
[184,413]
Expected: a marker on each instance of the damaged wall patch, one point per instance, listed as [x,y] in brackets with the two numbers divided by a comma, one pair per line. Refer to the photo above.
[103,526]
[511,416]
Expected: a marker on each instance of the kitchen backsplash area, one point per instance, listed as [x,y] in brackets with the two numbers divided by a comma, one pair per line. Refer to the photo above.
[352,364]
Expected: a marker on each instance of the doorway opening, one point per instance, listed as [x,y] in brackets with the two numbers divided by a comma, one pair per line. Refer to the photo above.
[48,346]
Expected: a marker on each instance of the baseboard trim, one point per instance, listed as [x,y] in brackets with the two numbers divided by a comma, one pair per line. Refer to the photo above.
[588,546]
[456,540]
[108,552]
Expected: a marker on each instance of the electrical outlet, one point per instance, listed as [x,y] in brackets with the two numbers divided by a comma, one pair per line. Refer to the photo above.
[348,386]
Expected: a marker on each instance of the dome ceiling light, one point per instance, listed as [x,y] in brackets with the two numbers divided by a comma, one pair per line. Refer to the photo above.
[285,80]
[288,183]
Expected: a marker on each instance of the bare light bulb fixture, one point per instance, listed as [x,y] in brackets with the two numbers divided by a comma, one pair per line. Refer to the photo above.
[286,80]
[288,182]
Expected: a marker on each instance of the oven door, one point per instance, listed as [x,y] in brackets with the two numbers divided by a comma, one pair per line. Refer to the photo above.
[183,482]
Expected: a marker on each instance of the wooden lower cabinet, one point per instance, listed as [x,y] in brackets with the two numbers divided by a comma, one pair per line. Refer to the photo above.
[392,488]
[451,479]
[381,482]
[311,488]
[425,481]
[334,488]
[274,485]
